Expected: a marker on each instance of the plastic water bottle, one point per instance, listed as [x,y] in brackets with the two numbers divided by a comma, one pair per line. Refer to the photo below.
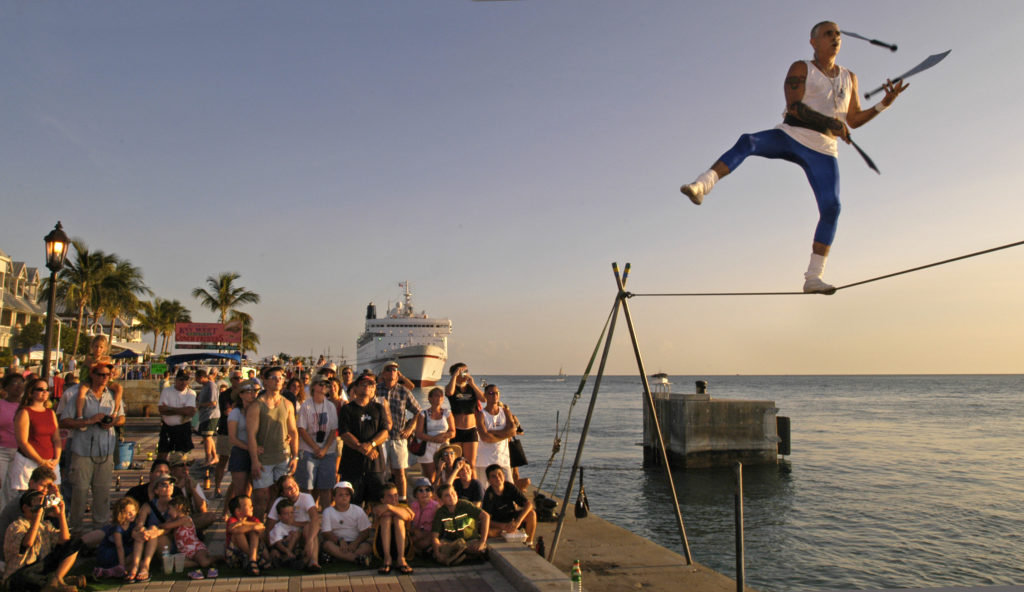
[577,577]
[168,559]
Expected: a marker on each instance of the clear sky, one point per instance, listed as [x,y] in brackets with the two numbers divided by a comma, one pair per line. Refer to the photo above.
[500,155]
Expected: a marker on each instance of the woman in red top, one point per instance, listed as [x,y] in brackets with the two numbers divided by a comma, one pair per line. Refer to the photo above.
[35,427]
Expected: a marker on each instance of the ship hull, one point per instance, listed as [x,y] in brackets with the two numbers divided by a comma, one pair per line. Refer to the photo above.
[422,364]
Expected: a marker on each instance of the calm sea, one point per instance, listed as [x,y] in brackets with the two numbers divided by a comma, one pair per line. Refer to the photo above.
[893,481]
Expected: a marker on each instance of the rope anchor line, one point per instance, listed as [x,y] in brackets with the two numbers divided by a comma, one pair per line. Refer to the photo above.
[860,283]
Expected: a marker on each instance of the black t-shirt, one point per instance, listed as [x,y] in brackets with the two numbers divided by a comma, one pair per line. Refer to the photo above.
[364,423]
[503,508]
[473,492]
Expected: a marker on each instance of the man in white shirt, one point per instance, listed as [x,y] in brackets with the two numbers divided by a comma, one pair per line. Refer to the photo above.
[177,406]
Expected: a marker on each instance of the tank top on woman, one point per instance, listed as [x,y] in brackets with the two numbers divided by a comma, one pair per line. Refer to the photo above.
[434,427]
[41,427]
[273,431]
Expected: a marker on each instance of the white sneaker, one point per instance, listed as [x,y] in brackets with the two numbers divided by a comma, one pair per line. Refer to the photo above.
[695,191]
[815,285]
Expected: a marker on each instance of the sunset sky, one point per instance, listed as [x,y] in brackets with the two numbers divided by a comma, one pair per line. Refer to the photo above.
[500,155]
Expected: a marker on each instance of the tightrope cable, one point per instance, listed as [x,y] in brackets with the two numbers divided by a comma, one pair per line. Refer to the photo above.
[860,283]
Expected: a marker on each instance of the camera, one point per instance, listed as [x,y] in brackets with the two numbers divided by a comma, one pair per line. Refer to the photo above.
[107,420]
[321,435]
[50,500]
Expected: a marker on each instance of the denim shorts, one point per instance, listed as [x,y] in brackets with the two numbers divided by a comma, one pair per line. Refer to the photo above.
[316,473]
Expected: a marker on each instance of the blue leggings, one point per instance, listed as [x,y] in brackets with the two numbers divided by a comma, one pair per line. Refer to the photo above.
[822,172]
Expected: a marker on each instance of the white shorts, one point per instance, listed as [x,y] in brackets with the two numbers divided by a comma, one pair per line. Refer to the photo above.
[396,454]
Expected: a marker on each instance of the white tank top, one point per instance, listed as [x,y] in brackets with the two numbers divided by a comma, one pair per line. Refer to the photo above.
[828,96]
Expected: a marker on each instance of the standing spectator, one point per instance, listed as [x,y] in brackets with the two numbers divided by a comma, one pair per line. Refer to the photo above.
[177,406]
[496,426]
[39,444]
[228,399]
[239,463]
[294,392]
[14,388]
[436,427]
[464,398]
[363,426]
[208,408]
[399,399]
[273,439]
[317,470]
[92,445]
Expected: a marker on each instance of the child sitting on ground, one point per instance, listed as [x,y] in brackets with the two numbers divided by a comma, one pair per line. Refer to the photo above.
[286,536]
[244,531]
[110,556]
[345,529]
[187,541]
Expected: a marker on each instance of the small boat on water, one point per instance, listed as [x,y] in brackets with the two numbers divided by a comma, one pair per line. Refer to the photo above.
[561,375]
[417,342]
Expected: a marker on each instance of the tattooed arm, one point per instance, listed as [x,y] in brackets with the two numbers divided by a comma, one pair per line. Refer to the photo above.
[796,80]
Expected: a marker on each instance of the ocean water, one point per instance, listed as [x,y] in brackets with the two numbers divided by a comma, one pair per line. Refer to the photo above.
[893,481]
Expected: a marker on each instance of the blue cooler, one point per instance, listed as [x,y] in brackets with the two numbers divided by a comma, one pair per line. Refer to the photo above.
[124,456]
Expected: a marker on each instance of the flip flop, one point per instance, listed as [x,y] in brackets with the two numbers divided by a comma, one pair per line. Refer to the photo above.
[143,576]
[384,570]
[405,570]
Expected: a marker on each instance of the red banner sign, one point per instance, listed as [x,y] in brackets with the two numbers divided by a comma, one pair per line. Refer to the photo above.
[207,333]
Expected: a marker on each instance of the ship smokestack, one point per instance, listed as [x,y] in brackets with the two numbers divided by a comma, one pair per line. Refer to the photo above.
[371,311]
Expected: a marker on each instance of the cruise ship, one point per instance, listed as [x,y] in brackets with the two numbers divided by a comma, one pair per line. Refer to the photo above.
[418,343]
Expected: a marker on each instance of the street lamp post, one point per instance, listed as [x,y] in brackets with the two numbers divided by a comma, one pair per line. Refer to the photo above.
[56,250]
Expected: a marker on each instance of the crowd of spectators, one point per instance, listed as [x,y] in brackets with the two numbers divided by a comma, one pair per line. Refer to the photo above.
[316,464]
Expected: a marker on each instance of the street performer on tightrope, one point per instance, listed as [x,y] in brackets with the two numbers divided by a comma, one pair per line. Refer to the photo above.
[821,105]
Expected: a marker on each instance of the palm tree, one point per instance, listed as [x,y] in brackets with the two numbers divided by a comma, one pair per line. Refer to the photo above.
[250,340]
[78,283]
[223,295]
[149,319]
[119,291]
[172,311]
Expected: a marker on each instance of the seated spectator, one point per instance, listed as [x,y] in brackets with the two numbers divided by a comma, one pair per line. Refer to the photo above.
[187,540]
[466,487]
[454,470]
[143,492]
[390,541]
[196,504]
[154,528]
[346,528]
[460,529]
[38,555]
[244,533]
[42,479]
[307,516]
[423,506]
[508,507]
[111,558]
[287,540]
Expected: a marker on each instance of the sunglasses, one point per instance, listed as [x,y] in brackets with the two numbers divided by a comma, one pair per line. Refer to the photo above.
[41,390]
[101,374]
[419,489]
